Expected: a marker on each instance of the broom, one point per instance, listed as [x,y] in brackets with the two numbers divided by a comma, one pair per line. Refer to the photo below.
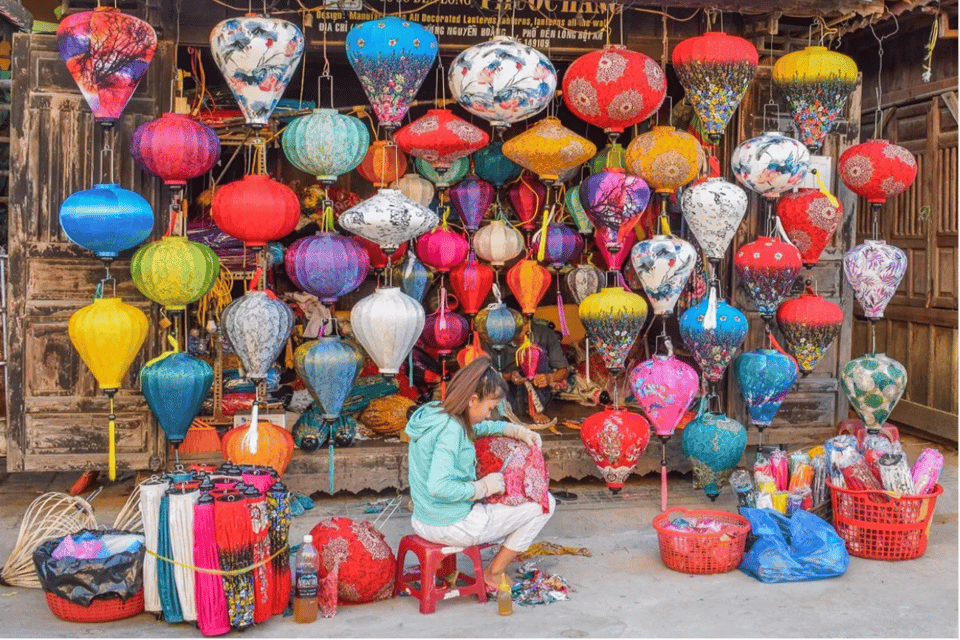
[262,575]
[181,538]
[212,616]
[165,581]
[278,511]
[151,492]
[235,550]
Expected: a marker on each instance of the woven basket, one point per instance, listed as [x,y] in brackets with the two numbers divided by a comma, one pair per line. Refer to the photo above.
[102,608]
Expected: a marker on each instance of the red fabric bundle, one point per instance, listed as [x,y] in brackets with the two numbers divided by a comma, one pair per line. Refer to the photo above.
[524,471]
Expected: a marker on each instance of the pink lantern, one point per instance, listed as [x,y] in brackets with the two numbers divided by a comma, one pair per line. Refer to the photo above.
[614,260]
[442,249]
[444,331]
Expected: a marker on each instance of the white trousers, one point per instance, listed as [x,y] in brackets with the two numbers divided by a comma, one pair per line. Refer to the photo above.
[516,525]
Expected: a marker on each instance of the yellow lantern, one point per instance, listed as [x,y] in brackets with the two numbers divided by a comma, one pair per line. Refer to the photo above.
[666,158]
[108,334]
[549,149]
[613,319]
[174,271]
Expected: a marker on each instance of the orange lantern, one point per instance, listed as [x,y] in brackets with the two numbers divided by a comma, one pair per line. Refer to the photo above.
[529,281]
[549,149]
[273,449]
[383,164]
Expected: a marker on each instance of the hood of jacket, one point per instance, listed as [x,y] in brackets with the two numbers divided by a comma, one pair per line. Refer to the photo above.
[427,418]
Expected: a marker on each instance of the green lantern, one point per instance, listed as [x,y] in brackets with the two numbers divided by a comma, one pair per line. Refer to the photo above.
[174,271]
[448,178]
[611,156]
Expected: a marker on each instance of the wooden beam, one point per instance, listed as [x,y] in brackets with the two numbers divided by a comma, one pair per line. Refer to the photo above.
[913,94]
[950,102]
[939,423]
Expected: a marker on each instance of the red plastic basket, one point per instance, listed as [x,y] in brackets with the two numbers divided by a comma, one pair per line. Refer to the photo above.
[101,609]
[692,552]
[879,526]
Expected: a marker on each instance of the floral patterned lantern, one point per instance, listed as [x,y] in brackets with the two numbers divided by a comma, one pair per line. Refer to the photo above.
[440,138]
[613,319]
[445,179]
[391,57]
[666,158]
[770,164]
[257,55]
[442,249]
[584,281]
[615,439]
[764,377]
[107,53]
[874,269]
[877,170]
[502,81]
[810,220]
[174,271]
[383,163]
[175,148]
[614,201]
[816,83]
[529,282]
[549,149]
[714,443]
[387,323]
[575,209]
[715,69]
[874,384]
[471,281]
[809,324]
[614,88]
[528,198]
[257,325]
[472,198]
[663,264]
[767,269]
[327,265]
[713,210]
[256,209]
[326,144]
[389,218]
[328,367]
[498,243]
[415,187]
[713,336]
[444,331]
[106,220]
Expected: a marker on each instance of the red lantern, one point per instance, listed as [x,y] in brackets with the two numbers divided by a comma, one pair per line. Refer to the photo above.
[444,331]
[614,88]
[614,260]
[442,249]
[529,357]
[810,220]
[256,209]
[529,281]
[361,556]
[175,148]
[383,164]
[877,170]
[378,259]
[528,197]
[615,439]
[809,325]
[440,138]
[767,268]
[472,282]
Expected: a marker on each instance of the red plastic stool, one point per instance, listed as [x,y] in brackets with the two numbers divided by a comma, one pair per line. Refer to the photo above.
[436,562]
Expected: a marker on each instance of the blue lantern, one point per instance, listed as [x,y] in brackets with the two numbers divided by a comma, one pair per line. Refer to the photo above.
[714,443]
[311,431]
[490,164]
[106,219]
[414,277]
[713,331]
[328,367]
[497,325]
[175,386]
[326,144]
[765,376]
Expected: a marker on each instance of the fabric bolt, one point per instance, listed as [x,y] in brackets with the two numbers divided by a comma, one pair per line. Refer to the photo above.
[235,551]
[150,495]
[262,575]
[926,471]
[169,596]
[278,512]
[181,534]
[212,617]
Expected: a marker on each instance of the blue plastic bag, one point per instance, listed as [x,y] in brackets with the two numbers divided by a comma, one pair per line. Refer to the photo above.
[803,547]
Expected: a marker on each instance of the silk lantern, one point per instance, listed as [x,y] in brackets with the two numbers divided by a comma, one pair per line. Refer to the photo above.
[764,377]
[257,56]
[713,336]
[389,219]
[715,70]
[440,138]
[106,220]
[256,209]
[666,158]
[325,144]
[873,383]
[443,179]
[714,443]
[614,201]
[809,219]
[613,319]
[583,281]
[562,246]
[175,148]
[816,83]
[663,264]
[548,149]
[472,198]
[614,255]
[327,265]
[442,249]
[471,282]
[770,163]
[714,210]
[329,368]
[497,324]
[575,209]
[528,198]
[107,53]
[529,282]
[494,167]
[612,156]
[529,358]
[391,57]
[175,386]
[615,439]
[809,325]
[877,170]
[378,259]
[498,243]
[444,331]
[767,269]
[502,81]
[174,272]
[311,431]
[415,187]
[874,270]
[108,335]
[383,163]
[414,277]
[387,323]
[257,325]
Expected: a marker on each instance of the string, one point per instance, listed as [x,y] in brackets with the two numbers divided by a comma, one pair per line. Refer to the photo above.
[878,115]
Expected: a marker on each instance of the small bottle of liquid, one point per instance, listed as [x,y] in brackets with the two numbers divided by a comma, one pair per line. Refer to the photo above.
[307,580]
[504,598]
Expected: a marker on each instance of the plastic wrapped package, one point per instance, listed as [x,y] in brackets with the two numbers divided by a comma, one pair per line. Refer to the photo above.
[840,452]
[859,477]
[798,457]
[802,476]
[926,471]
[819,485]
[742,483]
[796,499]
[781,471]
[895,473]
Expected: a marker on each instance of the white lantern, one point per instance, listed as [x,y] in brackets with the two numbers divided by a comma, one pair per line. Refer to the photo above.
[389,218]
[770,164]
[387,323]
[257,326]
[663,265]
[874,269]
[415,187]
[583,281]
[714,210]
[498,243]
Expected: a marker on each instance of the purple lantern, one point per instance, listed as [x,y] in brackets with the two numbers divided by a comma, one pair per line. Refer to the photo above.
[327,265]
[444,331]
[472,198]
[562,247]
[614,200]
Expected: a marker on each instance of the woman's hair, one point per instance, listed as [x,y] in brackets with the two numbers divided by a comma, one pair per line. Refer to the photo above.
[480,378]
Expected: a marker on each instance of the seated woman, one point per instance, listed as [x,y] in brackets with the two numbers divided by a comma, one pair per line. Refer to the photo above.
[443,462]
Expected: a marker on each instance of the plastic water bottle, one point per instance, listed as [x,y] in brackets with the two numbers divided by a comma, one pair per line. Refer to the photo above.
[504,598]
[307,581]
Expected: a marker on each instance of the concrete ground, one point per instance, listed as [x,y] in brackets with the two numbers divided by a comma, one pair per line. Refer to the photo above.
[623,590]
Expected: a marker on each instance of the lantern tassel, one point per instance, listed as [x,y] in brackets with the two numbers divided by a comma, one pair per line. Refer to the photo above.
[823,189]
[778,225]
[255,281]
[251,439]
[330,478]
[544,228]
[663,474]
[564,329]
[112,445]
[586,357]
[710,318]
[665,226]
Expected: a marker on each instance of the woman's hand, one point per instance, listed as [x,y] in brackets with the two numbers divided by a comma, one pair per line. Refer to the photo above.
[527,436]
[488,485]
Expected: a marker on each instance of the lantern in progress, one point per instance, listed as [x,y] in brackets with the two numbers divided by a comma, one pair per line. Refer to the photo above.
[389,219]
[471,282]
[529,281]
[764,377]
[528,198]
[175,148]
[415,187]
[770,164]
[257,56]
[442,249]
[663,265]
[714,210]
[767,268]
[326,144]
[327,265]
[874,270]
[444,331]
[713,336]
[391,57]
[387,323]
[810,220]
[472,198]
[715,70]
[107,53]
[498,243]
[173,271]
[257,326]
[494,167]
[440,138]
[256,209]
[549,149]
[809,325]
[383,163]
[714,443]
[613,318]
[328,367]
[666,158]
[175,386]
[615,439]
[106,220]
[614,201]
[874,384]
[502,81]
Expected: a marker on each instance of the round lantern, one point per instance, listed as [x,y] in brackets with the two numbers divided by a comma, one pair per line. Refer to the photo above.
[391,57]
[378,259]
[715,70]
[874,384]
[767,269]
[444,331]
[442,249]
[770,163]
[175,386]
[311,431]
[615,439]
[563,245]
[612,156]
[809,325]
[494,167]
[414,277]
[529,281]
[107,53]
[714,443]
[387,323]
[327,265]
[174,271]
[713,210]
[326,144]
[614,201]
[257,56]
[613,319]
[713,336]
[664,386]
[175,148]
[549,149]
[877,170]
[389,219]
[443,179]
[364,562]
[387,415]
[383,163]
[440,138]
[810,220]
[328,367]
[257,325]
[256,209]
[666,158]
[415,187]
[663,265]
[471,282]
[498,325]
[528,198]
[502,81]
[874,270]
[498,243]
[575,209]
[472,198]
[583,281]
[816,83]
[613,254]
[764,377]
[274,446]
[106,220]
[614,88]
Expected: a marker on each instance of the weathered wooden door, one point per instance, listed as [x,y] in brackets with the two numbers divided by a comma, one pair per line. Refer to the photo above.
[57,418]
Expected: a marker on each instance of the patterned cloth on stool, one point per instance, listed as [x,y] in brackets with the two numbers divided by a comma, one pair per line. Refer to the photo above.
[437,562]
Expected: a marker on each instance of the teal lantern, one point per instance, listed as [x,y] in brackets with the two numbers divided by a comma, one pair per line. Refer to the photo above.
[764,376]
[445,179]
[414,277]
[175,386]
[328,367]
[311,431]
[326,144]
[490,164]
[714,443]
